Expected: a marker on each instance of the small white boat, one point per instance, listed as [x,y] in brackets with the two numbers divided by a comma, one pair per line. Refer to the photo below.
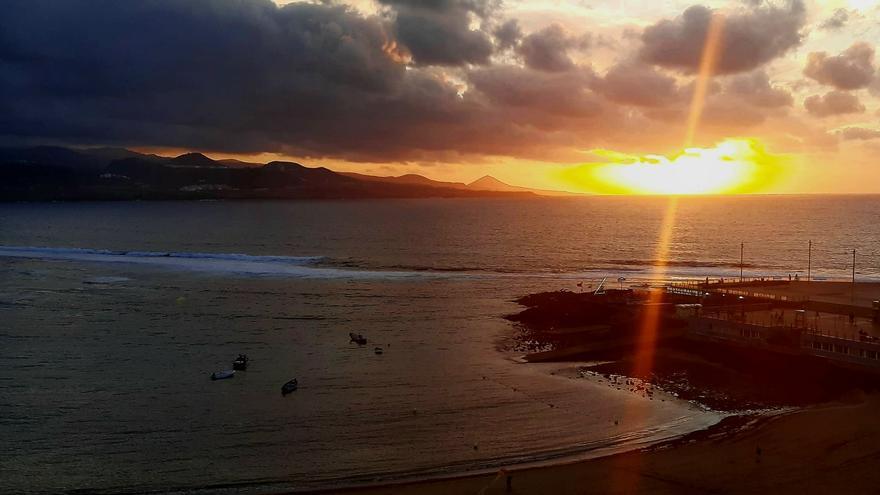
[289,387]
[222,375]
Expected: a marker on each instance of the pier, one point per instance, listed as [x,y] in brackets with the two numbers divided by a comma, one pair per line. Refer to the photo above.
[838,321]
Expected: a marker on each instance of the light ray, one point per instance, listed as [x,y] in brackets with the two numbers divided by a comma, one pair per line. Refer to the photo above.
[708,62]
[646,341]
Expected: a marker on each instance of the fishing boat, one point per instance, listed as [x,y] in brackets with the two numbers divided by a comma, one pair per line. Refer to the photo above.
[378,350]
[289,387]
[222,375]
[357,338]
[240,363]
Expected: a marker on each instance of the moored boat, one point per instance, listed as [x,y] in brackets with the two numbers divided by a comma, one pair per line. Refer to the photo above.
[289,387]
[357,338]
[241,362]
[223,375]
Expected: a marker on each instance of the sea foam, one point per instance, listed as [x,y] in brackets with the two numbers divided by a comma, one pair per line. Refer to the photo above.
[234,263]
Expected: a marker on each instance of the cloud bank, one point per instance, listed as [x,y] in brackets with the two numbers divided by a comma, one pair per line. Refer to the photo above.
[411,80]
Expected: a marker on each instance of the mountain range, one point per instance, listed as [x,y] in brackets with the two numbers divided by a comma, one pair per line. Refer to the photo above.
[56,173]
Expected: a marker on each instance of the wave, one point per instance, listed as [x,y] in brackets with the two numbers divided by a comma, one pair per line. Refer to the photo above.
[105,280]
[322,267]
[634,270]
[286,266]
[53,252]
[687,264]
[459,269]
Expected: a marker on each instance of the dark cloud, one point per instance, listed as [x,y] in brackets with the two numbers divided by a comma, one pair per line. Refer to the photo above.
[245,76]
[836,21]
[508,34]
[224,74]
[548,48]
[733,104]
[859,133]
[852,69]
[755,88]
[438,32]
[537,94]
[749,39]
[833,103]
[632,83]
[323,80]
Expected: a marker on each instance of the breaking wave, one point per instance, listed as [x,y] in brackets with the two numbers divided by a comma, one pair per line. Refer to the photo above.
[287,266]
[322,267]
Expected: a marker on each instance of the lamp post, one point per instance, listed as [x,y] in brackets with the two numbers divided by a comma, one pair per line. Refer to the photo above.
[810,262]
[852,295]
[854,267]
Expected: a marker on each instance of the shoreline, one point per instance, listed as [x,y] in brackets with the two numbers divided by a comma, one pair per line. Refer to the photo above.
[740,454]
[592,454]
[727,434]
[572,454]
[747,412]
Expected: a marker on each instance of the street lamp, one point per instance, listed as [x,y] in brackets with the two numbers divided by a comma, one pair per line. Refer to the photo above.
[810,262]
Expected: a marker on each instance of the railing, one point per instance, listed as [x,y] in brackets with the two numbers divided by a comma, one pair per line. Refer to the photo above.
[851,336]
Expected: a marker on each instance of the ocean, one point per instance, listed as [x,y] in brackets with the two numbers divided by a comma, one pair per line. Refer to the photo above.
[114,315]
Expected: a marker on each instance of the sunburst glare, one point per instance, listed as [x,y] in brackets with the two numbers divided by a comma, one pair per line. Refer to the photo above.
[731,166]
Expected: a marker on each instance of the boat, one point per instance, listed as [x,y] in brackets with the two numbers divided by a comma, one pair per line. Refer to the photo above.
[357,338]
[240,363]
[289,387]
[378,350]
[222,375]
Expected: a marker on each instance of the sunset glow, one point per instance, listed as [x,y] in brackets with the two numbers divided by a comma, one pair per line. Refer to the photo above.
[732,166]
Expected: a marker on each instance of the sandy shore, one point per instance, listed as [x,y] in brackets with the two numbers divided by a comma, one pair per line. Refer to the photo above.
[832,448]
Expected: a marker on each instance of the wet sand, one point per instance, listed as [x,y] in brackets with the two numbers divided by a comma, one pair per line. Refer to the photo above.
[830,448]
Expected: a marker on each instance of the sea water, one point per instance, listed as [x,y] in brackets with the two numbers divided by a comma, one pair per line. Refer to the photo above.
[114,315]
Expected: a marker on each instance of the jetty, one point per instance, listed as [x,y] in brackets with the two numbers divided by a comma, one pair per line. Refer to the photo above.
[837,321]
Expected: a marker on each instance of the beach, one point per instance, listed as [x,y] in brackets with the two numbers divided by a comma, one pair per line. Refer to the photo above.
[828,448]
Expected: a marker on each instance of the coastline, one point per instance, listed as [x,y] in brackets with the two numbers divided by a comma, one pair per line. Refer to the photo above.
[807,418]
[648,440]
[741,454]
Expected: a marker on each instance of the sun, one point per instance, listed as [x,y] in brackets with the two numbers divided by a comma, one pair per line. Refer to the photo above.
[731,166]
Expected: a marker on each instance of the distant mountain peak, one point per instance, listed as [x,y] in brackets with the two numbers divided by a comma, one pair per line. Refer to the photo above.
[282,165]
[194,160]
[53,173]
[488,181]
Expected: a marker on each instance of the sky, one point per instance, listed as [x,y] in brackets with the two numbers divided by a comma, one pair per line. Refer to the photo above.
[578,95]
